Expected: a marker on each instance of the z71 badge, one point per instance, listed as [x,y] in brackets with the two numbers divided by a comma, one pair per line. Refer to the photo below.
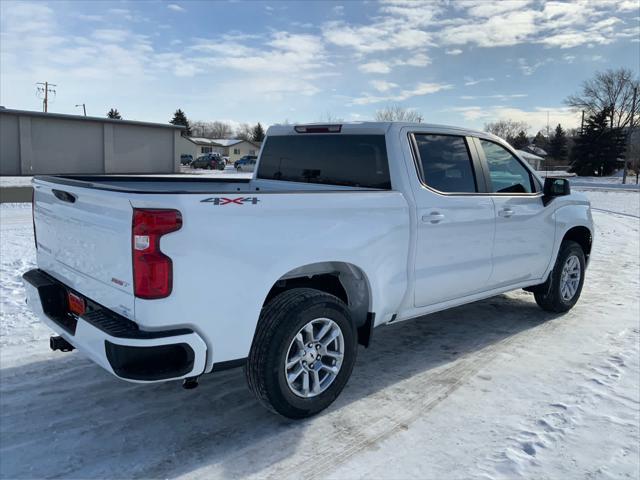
[231,201]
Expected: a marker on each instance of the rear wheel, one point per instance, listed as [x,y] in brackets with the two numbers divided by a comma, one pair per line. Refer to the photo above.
[562,290]
[303,352]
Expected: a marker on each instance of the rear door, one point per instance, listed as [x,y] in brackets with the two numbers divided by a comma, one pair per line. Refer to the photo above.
[525,228]
[455,219]
[84,240]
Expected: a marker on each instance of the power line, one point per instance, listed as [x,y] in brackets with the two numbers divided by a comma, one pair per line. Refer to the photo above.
[45,88]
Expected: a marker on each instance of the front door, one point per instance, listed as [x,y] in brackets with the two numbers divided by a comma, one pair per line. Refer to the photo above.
[455,223]
[525,228]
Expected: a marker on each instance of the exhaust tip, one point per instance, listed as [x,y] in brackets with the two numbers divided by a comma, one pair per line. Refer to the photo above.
[59,343]
[190,383]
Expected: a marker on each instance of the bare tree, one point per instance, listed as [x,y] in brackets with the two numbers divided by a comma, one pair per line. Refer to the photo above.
[506,129]
[397,113]
[611,89]
[212,129]
[221,130]
[244,132]
[328,117]
[198,128]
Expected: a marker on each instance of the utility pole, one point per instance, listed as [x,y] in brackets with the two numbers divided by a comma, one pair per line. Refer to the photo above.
[582,124]
[548,137]
[84,108]
[633,117]
[46,89]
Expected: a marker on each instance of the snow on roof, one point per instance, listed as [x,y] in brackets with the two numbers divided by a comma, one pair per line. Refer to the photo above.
[220,142]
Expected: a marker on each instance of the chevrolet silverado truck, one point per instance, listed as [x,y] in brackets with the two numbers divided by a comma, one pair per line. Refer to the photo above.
[341,229]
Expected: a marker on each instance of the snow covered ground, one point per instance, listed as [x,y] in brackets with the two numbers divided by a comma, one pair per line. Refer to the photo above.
[495,389]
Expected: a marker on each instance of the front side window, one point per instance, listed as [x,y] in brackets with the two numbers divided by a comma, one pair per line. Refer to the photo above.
[507,174]
[445,163]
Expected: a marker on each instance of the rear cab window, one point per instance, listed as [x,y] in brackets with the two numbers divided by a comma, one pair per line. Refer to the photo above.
[330,159]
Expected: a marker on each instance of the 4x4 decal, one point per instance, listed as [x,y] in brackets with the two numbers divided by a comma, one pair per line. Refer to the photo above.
[229,201]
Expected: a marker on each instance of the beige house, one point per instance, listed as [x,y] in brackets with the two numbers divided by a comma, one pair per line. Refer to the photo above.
[227,147]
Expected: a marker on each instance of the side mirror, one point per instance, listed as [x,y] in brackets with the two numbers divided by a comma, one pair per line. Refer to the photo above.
[555,187]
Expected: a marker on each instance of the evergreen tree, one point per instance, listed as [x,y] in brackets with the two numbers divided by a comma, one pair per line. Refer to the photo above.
[540,141]
[520,141]
[257,135]
[597,150]
[179,118]
[558,144]
[114,113]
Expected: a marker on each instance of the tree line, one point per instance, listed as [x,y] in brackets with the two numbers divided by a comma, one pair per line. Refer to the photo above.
[608,137]
[218,129]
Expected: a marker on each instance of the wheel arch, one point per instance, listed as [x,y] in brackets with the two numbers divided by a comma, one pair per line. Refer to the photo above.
[582,236]
[341,279]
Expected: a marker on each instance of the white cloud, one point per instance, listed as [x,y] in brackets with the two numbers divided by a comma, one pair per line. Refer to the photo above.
[536,117]
[380,36]
[175,7]
[497,96]
[374,67]
[529,69]
[508,29]
[415,60]
[111,35]
[382,85]
[419,90]
[453,51]
[469,81]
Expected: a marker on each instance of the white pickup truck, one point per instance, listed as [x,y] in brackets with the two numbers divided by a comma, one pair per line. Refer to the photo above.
[342,228]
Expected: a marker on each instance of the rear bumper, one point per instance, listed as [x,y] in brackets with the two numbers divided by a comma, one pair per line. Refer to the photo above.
[114,342]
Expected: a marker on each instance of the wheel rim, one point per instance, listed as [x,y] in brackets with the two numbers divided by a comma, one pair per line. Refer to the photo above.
[314,357]
[570,278]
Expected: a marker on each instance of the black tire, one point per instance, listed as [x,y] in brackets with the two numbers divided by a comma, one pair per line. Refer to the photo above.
[280,320]
[548,296]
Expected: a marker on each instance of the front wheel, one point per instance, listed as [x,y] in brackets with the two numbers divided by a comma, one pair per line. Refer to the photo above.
[303,352]
[562,291]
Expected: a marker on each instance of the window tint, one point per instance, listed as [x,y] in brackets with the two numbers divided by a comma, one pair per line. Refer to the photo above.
[354,160]
[507,174]
[446,163]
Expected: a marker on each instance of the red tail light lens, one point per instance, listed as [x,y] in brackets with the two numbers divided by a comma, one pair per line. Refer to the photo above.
[152,269]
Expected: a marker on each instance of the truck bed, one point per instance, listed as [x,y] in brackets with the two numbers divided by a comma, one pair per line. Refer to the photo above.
[185,184]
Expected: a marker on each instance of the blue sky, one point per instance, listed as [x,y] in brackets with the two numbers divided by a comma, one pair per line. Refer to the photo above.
[458,62]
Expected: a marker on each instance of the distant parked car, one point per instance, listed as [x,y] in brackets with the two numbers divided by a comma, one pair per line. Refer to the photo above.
[246,163]
[209,161]
[186,159]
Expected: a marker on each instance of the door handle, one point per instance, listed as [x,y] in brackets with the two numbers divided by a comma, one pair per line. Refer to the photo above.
[506,212]
[433,217]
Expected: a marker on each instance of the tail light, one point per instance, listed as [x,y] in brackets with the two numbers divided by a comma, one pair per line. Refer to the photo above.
[318,128]
[33,215]
[152,269]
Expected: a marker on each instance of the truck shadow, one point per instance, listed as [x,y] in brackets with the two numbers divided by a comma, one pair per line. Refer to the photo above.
[66,417]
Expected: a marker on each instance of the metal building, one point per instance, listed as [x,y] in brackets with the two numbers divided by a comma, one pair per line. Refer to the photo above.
[35,143]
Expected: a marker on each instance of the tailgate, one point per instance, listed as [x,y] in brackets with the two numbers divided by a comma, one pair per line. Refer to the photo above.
[84,240]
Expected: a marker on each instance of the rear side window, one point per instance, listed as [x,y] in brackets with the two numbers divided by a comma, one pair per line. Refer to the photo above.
[350,160]
[446,163]
[507,174]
